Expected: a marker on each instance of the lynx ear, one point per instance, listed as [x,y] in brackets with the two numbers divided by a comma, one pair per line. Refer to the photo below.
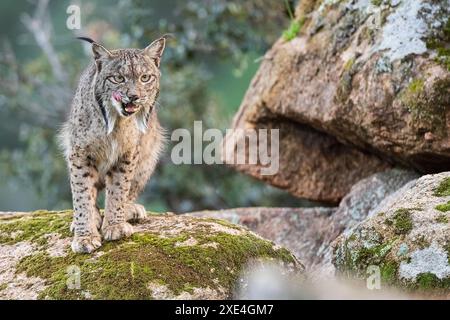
[100,52]
[156,49]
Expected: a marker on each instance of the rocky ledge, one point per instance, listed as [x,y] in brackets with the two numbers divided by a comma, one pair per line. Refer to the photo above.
[169,257]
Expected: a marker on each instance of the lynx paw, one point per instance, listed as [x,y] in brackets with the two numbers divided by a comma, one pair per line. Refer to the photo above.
[86,244]
[117,231]
[135,212]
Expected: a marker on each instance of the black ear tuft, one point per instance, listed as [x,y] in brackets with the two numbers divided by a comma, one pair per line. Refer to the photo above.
[86,39]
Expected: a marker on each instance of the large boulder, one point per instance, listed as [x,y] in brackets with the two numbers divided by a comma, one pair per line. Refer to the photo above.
[363,81]
[169,257]
[408,242]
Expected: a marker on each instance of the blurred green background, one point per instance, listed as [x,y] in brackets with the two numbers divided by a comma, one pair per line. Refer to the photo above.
[207,68]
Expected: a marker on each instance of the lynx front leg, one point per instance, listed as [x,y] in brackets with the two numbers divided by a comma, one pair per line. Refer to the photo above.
[136,212]
[118,182]
[144,168]
[97,217]
[83,176]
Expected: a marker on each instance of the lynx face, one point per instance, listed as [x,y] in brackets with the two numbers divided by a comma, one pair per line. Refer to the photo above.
[127,82]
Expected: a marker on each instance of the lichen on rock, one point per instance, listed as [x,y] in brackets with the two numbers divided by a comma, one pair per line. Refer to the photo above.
[409,24]
[168,257]
[409,241]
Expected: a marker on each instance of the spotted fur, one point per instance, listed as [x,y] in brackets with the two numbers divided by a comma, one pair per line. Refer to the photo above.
[108,147]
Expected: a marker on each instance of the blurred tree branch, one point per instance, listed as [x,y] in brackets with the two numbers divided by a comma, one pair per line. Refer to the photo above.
[39,25]
[48,99]
[8,61]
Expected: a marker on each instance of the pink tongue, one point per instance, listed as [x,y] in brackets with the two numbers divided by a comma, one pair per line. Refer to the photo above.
[130,107]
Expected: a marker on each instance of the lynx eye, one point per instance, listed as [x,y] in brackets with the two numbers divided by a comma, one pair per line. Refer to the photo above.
[117,79]
[146,78]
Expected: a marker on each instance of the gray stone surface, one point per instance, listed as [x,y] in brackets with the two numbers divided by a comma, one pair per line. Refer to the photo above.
[407,237]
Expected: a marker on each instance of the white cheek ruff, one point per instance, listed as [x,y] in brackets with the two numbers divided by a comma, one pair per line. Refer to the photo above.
[141,121]
[117,105]
[111,114]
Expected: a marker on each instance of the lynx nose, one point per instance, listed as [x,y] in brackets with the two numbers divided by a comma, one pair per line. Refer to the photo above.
[133,98]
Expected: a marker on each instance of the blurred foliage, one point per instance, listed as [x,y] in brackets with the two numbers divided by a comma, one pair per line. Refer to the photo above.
[227,29]
[206,70]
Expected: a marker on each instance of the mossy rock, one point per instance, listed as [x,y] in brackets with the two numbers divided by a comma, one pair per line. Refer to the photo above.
[168,257]
[409,240]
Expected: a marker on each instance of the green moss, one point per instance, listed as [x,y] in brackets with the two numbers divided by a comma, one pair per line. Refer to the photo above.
[40,265]
[376,2]
[444,57]
[3,286]
[402,222]
[427,281]
[355,261]
[389,272]
[427,107]
[293,30]
[345,85]
[440,44]
[126,267]
[443,190]
[35,227]
[416,86]
[349,64]
[442,218]
[430,282]
[295,25]
[365,256]
[352,237]
[368,256]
